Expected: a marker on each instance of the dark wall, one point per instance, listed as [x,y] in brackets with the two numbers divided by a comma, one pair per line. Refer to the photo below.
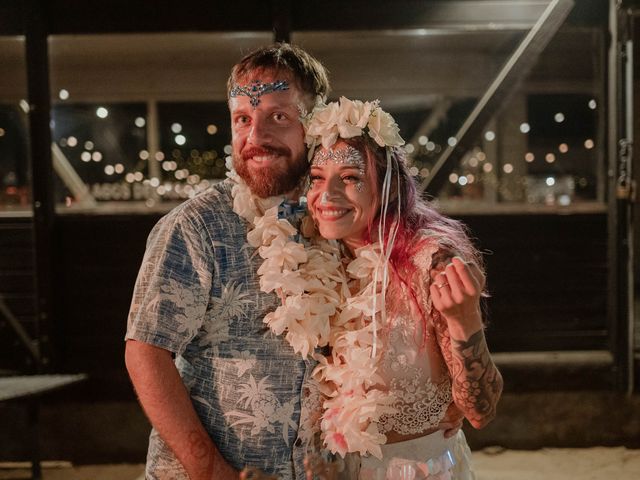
[547,278]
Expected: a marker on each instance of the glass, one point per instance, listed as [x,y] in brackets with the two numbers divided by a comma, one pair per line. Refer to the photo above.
[140,121]
[430,81]
[15,193]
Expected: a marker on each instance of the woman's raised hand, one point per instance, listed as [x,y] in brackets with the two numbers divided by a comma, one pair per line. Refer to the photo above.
[455,293]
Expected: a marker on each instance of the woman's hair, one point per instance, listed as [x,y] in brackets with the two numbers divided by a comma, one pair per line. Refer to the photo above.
[416,216]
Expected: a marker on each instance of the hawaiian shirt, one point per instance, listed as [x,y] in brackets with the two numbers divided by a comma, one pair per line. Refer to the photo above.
[198,296]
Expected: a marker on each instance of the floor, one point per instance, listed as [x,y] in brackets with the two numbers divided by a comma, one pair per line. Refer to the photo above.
[594,463]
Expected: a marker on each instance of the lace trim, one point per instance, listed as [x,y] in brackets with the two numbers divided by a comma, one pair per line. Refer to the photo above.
[419,404]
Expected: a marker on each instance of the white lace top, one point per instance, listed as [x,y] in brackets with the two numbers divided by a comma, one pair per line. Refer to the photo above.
[412,364]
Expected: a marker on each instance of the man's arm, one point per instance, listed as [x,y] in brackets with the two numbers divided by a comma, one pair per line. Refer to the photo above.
[166,402]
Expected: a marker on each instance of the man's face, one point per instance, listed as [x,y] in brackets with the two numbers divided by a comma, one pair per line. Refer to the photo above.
[268,138]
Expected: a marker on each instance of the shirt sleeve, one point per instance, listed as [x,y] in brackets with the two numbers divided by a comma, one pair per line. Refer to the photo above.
[172,290]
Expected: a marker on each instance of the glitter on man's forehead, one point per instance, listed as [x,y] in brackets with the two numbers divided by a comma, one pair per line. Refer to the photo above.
[257,88]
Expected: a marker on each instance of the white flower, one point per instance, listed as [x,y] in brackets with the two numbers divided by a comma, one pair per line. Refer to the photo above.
[383,129]
[285,254]
[268,227]
[324,124]
[355,113]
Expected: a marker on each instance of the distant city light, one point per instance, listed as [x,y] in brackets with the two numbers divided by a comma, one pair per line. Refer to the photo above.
[593,104]
[487,168]
[72,141]
[88,145]
[119,168]
[63,94]
[85,156]
[154,182]
[140,122]
[424,172]
[550,181]
[559,117]
[481,156]
[159,156]
[507,168]
[228,149]
[96,156]
[138,176]
[453,178]
[588,144]
[422,140]
[431,146]
[102,112]
[525,127]
[489,136]
[413,171]
[212,129]
[180,139]
[471,178]
[109,169]
[24,105]
[563,147]
[529,157]
[409,148]
[176,127]
[452,141]
[462,180]
[144,155]
[564,200]
[2,132]
[550,158]
[473,162]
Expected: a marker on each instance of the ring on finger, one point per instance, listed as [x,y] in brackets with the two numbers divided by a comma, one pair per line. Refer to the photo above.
[442,285]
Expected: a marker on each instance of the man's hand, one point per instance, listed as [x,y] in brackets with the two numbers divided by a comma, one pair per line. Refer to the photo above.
[452,421]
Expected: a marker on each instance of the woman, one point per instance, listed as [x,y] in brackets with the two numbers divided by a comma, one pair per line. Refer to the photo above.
[417,281]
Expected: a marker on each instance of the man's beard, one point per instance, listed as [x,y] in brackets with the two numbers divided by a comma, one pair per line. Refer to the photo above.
[274,180]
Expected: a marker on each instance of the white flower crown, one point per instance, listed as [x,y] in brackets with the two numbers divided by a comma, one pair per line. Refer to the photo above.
[347,119]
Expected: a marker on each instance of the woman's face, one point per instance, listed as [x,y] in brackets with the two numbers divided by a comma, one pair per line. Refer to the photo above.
[341,196]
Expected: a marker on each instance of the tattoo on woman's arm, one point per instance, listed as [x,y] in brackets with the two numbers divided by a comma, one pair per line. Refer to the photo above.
[477,384]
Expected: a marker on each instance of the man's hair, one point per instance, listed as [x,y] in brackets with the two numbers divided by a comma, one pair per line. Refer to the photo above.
[309,74]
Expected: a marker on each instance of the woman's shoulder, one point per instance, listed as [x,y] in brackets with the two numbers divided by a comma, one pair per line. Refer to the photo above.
[433,250]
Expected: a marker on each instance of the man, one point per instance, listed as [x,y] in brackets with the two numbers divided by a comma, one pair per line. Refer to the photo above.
[220,391]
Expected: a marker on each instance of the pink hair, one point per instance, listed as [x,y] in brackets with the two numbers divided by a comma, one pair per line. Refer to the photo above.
[416,216]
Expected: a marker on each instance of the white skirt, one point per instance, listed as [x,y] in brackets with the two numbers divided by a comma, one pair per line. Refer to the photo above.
[431,457]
